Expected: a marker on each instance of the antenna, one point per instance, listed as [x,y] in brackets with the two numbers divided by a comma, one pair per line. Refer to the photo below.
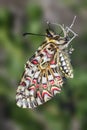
[24,34]
[73,22]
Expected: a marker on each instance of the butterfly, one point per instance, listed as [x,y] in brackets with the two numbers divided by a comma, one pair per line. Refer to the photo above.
[44,71]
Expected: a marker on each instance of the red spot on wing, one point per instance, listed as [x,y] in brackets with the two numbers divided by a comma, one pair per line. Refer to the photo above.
[52,62]
[48,55]
[58,77]
[23,83]
[52,82]
[28,78]
[46,92]
[34,81]
[55,88]
[45,51]
[44,86]
[37,86]
[31,88]
[34,61]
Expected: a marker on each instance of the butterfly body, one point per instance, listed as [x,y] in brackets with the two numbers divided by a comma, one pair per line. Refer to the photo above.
[44,72]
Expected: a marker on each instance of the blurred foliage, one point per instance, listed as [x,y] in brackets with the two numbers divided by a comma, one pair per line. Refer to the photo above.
[66,109]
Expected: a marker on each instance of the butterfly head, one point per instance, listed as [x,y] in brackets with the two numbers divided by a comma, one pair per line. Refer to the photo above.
[59,40]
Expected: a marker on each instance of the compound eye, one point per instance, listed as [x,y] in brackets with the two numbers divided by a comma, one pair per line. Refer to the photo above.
[49,33]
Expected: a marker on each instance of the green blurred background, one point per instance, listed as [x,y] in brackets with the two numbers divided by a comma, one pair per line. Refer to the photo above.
[66,111]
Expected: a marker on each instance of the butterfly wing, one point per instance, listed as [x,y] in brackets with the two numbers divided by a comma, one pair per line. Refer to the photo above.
[41,79]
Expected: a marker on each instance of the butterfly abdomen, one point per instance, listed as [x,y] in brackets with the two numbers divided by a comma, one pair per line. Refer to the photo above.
[65,65]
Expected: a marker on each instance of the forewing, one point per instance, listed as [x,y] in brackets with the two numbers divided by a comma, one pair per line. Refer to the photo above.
[41,79]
